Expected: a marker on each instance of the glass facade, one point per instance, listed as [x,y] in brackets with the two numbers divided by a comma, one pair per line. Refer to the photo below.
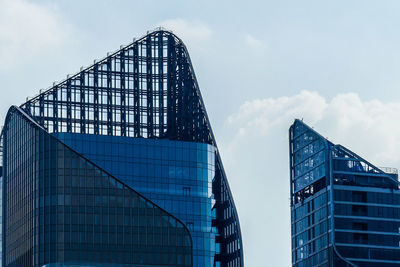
[175,175]
[20,194]
[80,214]
[134,122]
[345,211]
[310,209]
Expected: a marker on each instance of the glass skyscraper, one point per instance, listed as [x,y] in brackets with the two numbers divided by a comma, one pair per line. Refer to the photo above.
[344,210]
[117,165]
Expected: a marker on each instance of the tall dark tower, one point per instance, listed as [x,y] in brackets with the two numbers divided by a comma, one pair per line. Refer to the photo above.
[345,211]
[118,166]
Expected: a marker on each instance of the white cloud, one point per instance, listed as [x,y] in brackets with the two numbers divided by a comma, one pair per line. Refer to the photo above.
[264,114]
[189,31]
[345,119]
[255,151]
[28,28]
[253,42]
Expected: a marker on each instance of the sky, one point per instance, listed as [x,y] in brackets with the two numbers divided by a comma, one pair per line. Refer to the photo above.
[259,64]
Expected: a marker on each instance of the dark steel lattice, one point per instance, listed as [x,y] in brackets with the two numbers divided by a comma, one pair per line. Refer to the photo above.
[146,89]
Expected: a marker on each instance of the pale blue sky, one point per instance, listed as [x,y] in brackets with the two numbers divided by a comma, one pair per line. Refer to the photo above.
[259,64]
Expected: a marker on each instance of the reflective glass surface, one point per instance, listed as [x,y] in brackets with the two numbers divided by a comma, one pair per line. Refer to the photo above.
[344,209]
[62,209]
[176,175]
[310,224]
[309,157]
[367,224]
[20,193]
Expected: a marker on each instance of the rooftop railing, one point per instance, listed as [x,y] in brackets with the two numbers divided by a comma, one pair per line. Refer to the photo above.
[390,170]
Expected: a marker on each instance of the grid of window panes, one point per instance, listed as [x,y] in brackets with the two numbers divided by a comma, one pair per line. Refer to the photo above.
[367,210]
[367,225]
[310,209]
[308,157]
[310,227]
[86,217]
[20,211]
[174,174]
[228,237]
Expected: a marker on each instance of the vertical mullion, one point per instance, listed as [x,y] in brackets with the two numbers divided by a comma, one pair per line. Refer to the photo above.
[171,88]
[180,96]
[123,94]
[69,113]
[96,98]
[161,83]
[149,88]
[55,109]
[187,109]
[136,90]
[41,110]
[109,98]
[82,102]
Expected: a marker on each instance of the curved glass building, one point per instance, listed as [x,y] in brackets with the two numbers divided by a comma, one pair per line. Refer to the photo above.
[117,166]
[345,211]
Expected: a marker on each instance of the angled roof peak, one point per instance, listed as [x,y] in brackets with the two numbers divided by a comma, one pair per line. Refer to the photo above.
[149,33]
[147,88]
[300,127]
[305,125]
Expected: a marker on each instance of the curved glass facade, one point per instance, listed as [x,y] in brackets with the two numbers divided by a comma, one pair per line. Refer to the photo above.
[174,174]
[345,211]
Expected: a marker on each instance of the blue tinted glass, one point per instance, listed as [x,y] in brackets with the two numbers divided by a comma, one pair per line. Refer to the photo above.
[180,181]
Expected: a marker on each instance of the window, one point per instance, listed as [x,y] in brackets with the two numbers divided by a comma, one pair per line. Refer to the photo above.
[186,191]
